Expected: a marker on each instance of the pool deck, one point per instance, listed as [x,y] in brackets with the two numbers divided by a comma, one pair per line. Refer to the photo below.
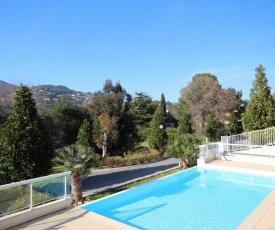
[75,218]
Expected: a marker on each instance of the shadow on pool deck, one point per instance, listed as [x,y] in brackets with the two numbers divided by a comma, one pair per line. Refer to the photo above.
[73,218]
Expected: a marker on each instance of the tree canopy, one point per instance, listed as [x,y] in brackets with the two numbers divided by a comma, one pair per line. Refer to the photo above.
[142,109]
[234,126]
[186,124]
[64,120]
[198,75]
[204,96]
[109,109]
[211,128]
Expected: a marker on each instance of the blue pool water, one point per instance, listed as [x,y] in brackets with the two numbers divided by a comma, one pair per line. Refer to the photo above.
[191,199]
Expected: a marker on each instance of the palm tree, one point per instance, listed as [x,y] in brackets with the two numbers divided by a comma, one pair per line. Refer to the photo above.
[185,148]
[79,160]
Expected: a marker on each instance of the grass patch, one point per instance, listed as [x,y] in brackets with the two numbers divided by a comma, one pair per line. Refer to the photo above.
[130,185]
[9,195]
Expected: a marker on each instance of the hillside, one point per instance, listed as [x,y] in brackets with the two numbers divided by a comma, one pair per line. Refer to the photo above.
[6,90]
[44,95]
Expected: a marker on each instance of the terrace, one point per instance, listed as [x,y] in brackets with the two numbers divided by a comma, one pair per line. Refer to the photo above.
[77,218]
[256,158]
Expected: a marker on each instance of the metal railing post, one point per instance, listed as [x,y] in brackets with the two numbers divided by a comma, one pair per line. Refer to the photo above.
[31,203]
[65,187]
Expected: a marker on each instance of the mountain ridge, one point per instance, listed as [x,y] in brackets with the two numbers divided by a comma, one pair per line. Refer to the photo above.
[44,95]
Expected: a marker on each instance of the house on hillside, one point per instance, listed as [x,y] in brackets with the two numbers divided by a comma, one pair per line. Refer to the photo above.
[170,121]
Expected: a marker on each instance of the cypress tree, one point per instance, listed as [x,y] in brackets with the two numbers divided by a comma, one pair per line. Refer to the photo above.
[158,135]
[163,105]
[25,146]
[260,109]
[84,137]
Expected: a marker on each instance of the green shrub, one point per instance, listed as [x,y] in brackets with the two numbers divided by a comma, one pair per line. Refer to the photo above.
[171,134]
[136,160]
[133,159]
[112,162]
[143,134]
[152,156]
[141,148]
[23,202]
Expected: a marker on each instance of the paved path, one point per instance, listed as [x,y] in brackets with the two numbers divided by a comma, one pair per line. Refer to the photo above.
[104,179]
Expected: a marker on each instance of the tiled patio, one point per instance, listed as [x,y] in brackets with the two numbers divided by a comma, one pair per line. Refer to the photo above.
[74,218]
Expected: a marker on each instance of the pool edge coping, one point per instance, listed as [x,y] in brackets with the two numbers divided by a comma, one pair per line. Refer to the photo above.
[260,217]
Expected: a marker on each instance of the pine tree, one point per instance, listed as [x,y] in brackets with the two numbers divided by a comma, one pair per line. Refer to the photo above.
[25,146]
[142,109]
[260,109]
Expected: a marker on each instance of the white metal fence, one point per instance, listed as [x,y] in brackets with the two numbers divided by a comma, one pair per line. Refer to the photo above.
[254,139]
[244,141]
[26,194]
[209,149]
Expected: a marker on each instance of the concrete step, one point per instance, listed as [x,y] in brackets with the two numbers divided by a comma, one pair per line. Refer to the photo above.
[251,157]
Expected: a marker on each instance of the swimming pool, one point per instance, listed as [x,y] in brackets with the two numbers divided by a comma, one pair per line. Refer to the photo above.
[190,199]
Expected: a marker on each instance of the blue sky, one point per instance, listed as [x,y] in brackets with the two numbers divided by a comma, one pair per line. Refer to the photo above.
[153,46]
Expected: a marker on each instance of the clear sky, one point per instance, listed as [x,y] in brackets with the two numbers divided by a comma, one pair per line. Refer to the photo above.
[151,46]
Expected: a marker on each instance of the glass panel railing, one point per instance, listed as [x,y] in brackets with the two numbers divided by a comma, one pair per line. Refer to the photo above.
[24,195]
[14,199]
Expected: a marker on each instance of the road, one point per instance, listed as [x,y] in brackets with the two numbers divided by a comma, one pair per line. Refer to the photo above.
[103,179]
